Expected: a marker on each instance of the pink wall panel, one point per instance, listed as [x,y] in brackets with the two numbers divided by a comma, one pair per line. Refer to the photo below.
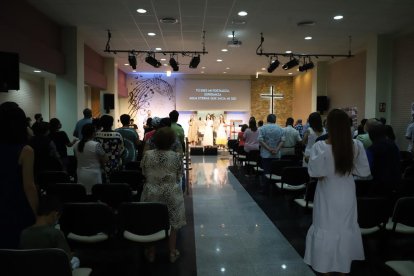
[122,85]
[94,69]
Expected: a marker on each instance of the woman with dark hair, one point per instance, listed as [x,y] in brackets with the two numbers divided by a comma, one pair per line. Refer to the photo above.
[314,130]
[90,158]
[221,140]
[251,136]
[18,193]
[163,170]
[113,145]
[61,140]
[334,238]
[240,135]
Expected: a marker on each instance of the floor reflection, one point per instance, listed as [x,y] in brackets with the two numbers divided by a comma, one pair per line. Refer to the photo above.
[207,173]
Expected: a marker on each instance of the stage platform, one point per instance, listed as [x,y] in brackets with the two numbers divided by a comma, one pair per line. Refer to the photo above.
[203,150]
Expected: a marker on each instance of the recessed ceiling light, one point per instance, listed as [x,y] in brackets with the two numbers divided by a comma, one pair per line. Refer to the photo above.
[126,64]
[151,34]
[288,52]
[202,72]
[308,38]
[37,71]
[338,17]
[290,73]
[165,64]
[134,71]
[141,11]
[219,60]
[227,68]
[168,73]
[263,69]
[224,72]
[158,49]
[163,59]
[230,36]
[242,13]
[224,50]
[203,67]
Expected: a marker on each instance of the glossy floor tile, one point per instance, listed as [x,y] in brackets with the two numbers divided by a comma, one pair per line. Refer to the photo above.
[233,236]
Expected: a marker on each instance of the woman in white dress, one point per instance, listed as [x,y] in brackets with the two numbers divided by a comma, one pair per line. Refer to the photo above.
[221,139]
[90,158]
[334,238]
[208,132]
[192,131]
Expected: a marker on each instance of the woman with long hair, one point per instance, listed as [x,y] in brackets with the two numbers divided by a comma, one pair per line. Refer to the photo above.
[208,132]
[221,140]
[251,136]
[334,238]
[90,158]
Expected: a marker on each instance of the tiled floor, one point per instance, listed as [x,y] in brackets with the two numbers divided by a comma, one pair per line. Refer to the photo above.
[233,236]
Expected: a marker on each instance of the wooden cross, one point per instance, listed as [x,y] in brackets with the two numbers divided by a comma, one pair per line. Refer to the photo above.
[272,95]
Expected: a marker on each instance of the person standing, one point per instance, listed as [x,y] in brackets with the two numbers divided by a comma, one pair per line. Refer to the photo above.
[18,193]
[251,136]
[271,138]
[179,131]
[208,132]
[312,132]
[409,134]
[221,140]
[299,127]
[292,137]
[131,139]
[334,239]
[87,119]
[61,140]
[192,131]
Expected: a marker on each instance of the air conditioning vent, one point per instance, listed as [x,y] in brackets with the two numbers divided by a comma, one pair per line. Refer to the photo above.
[169,20]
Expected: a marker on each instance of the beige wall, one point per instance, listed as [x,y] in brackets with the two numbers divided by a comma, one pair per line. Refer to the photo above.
[403,87]
[260,106]
[302,96]
[346,83]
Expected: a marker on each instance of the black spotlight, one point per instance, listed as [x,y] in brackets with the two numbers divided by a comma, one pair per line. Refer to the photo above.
[153,61]
[290,64]
[273,65]
[132,59]
[174,64]
[194,61]
[306,66]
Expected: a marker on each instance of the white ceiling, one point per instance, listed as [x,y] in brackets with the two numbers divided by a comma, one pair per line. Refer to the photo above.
[276,19]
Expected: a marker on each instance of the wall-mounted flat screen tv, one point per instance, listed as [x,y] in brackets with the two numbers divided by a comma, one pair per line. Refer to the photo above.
[9,71]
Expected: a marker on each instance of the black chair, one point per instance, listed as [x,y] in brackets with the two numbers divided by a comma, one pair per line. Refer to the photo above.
[372,214]
[277,169]
[68,192]
[37,262]
[307,200]
[231,145]
[112,194]
[403,216]
[133,178]
[363,187]
[253,160]
[89,223]
[133,166]
[72,166]
[46,178]
[293,179]
[144,222]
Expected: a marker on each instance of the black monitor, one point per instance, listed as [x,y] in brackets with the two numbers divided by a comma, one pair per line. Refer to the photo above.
[9,72]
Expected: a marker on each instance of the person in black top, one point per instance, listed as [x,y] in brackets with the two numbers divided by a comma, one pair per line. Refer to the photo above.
[61,140]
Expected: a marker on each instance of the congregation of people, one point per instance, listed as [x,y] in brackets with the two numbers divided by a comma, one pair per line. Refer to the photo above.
[334,152]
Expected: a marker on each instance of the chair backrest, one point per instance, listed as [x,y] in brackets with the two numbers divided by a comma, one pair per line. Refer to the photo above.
[143,218]
[112,194]
[295,175]
[133,178]
[34,262]
[46,178]
[253,155]
[68,192]
[363,188]
[87,219]
[279,165]
[372,211]
[403,211]
[310,190]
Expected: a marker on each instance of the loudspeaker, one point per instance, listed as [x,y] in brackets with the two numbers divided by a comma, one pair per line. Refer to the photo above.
[9,72]
[109,102]
[322,103]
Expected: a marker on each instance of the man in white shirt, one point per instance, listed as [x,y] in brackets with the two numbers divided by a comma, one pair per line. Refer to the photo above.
[292,137]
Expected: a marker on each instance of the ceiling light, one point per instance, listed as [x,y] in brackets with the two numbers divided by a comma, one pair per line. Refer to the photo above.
[151,34]
[290,73]
[169,73]
[203,67]
[194,61]
[263,69]
[174,64]
[202,72]
[224,50]
[224,72]
[126,64]
[219,60]
[338,17]
[163,59]
[134,71]
[158,49]
[290,64]
[141,11]
[288,52]
[308,38]
[152,61]
[227,68]
[165,64]
[132,59]
[37,71]
[306,66]
[230,36]
[273,65]
[242,13]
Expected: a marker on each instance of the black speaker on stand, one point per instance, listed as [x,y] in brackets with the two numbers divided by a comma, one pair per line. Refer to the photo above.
[108,102]
[322,104]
